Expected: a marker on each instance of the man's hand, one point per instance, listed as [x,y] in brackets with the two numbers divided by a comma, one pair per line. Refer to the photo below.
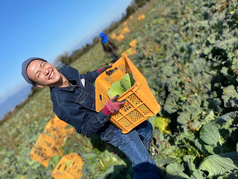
[104,68]
[113,105]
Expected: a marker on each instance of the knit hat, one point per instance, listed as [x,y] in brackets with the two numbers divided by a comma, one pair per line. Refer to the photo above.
[104,37]
[24,69]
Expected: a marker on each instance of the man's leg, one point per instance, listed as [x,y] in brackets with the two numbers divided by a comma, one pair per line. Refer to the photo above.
[145,132]
[133,147]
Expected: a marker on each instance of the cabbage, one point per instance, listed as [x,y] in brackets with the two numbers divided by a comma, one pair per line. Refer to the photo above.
[115,89]
[127,81]
[121,86]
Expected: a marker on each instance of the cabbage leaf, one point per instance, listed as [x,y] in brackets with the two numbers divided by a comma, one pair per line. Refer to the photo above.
[121,86]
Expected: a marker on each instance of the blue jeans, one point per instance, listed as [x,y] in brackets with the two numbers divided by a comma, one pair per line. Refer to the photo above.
[135,145]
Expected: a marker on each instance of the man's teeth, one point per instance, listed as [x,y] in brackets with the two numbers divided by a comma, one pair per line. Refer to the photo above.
[51,74]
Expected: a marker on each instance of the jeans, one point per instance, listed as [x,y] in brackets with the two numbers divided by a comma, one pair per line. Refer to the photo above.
[135,145]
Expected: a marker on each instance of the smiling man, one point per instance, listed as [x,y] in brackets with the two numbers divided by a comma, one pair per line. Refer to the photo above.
[73,97]
[43,74]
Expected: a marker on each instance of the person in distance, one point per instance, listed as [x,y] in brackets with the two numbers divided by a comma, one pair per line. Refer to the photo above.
[109,47]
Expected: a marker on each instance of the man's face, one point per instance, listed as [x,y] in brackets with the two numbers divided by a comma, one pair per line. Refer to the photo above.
[44,74]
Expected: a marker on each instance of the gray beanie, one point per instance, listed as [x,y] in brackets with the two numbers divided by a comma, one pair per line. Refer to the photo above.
[24,68]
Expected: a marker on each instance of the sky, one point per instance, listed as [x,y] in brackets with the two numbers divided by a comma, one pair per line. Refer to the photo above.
[46,29]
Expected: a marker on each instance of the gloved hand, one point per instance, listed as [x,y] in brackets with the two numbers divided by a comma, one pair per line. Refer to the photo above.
[113,105]
[105,67]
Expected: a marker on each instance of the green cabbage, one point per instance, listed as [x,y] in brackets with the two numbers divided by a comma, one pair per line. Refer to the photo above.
[127,81]
[121,86]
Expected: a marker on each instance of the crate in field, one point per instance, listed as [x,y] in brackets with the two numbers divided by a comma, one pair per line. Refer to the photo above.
[120,37]
[125,23]
[44,149]
[141,17]
[129,52]
[133,43]
[113,36]
[124,30]
[69,167]
[57,129]
[140,102]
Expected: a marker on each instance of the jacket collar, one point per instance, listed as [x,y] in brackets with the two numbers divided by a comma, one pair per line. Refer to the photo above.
[63,71]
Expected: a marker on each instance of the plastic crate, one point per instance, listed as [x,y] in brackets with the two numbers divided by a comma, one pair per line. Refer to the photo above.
[133,43]
[125,23]
[57,128]
[129,52]
[69,167]
[124,30]
[120,37]
[113,36]
[44,149]
[141,17]
[140,102]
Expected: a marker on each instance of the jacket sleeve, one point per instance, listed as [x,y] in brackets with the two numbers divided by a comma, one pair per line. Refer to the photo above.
[85,122]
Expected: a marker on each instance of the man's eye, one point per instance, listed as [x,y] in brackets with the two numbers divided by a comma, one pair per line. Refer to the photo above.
[38,75]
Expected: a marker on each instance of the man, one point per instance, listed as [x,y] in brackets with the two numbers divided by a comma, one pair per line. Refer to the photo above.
[73,97]
[109,47]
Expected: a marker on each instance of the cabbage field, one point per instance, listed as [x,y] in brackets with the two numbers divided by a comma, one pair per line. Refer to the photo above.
[188,53]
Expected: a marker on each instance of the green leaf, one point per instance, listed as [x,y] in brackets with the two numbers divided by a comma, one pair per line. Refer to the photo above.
[162,124]
[152,121]
[184,117]
[226,118]
[229,93]
[198,175]
[176,169]
[127,81]
[210,134]
[220,164]
[115,89]
[121,86]
[189,160]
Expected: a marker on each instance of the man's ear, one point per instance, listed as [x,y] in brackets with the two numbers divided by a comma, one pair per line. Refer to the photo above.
[40,86]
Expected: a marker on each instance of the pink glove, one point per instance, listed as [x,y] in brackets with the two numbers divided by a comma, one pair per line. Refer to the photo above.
[105,67]
[113,105]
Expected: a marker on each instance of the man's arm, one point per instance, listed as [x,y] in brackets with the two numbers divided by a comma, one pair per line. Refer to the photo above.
[85,122]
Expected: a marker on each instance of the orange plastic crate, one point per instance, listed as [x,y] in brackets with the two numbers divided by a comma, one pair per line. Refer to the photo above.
[140,102]
[124,30]
[141,17]
[113,36]
[125,23]
[129,52]
[44,149]
[69,167]
[57,128]
[120,37]
[133,43]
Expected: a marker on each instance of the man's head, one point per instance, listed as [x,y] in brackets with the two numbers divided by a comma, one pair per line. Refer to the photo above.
[40,73]
[104,37]
[102,34]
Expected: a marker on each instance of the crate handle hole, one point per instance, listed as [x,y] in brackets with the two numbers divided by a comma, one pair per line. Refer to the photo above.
[59,166]
[101,97]
[110,72]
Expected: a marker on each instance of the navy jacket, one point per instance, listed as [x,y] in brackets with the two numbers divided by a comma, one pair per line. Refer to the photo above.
[76,104]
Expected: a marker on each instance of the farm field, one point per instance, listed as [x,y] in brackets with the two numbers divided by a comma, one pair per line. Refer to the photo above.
[188,53]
